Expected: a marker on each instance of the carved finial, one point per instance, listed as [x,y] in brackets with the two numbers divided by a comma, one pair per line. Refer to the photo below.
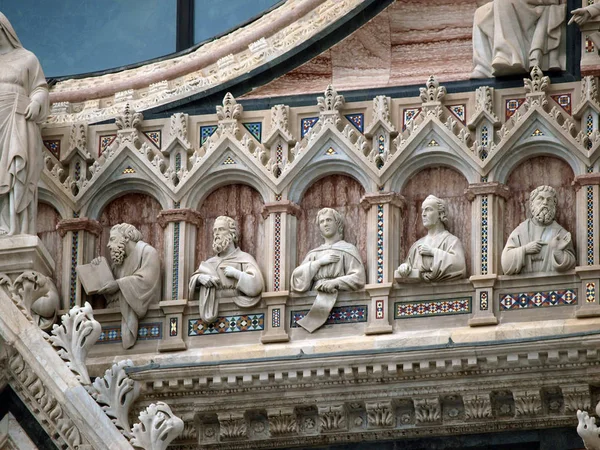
[538,82]
[116,392]
[178,128]
[381,108]
[432,92]
[129,118]
[331,101]
[279,118]
[484,99]
[231,109]
[78,138]
[77,333]
[158,427]
[589,89]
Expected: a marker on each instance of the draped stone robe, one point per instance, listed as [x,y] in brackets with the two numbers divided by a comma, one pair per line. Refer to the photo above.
[139,283]
[448,260]
[349,272]
[245,292]
[514,259]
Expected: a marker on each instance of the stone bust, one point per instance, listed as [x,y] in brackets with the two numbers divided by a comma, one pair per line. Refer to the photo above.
[334,266]
[231,273]
[23,106]
[439,255]
[137,284]
[539,244]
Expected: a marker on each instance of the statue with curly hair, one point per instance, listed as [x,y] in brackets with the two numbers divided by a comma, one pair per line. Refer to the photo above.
[439,255]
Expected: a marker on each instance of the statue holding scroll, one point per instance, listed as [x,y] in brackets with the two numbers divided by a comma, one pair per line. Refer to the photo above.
[232,273]
[334,266]
[439,255]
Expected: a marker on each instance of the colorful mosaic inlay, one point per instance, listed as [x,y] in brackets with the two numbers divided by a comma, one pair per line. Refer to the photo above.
[589,45]
[155,137]
[53,146]
[276,318]
[338,315]
[379,311]
[255,129]
[104,142]
[330,151]
[358,120]
[228,161]
[564,101]
[524,300]
[512,105]
[484,234]
[380,224]
[537,132]
[175,273]
[590,224]
[206,132]
[73,275]
[408,114]
[428,308]
[433,143]
[146,332]
[381,149]
[173,326]
[306,124]
[277,254]
[589,128]
[460,112]
[128,170]
[178,162]
[227,324]
[483,300]
[590,292]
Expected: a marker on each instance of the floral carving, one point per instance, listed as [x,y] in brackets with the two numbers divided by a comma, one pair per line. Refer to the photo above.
[477,406]
[380,414]
[527,403]
[332,418]
[427,410]
[232,426]
[158,427]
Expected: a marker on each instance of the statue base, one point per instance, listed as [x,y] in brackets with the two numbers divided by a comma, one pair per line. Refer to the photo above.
[24,252]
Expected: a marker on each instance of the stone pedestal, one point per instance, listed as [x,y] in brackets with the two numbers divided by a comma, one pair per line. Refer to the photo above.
[589,300]
[24,252]
[276,317]
[379,314]
[174,326]
[483,305]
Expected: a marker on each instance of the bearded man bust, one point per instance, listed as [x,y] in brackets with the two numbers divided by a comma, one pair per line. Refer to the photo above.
[137,284]
[231,274]
[539,244]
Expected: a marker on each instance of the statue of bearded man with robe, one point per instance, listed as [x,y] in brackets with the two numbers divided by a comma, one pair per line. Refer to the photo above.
[137,283]
[231,274]
[539,244]
[334,266]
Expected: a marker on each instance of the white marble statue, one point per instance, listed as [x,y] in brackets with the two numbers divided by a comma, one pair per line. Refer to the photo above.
[439,255]
[511,36]
[232,273]
[334,266]
[539,244]
[137,283]
[583,15]
[23,106]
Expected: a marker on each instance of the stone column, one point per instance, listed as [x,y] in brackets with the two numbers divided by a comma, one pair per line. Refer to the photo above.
[588,257]
[79,246]
[487,213]
[383,247]
[281,228]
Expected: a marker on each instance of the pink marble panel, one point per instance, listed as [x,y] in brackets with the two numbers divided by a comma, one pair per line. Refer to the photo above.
[244,204]
[535,172]
[47,219]
[447,184]
[343,194]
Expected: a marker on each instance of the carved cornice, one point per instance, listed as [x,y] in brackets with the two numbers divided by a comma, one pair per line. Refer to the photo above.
[588,179]
[379,198]
[283,206]
[492,188]
[179,215]
[79,224]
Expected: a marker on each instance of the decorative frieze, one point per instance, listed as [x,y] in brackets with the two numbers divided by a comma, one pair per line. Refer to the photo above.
[332,418]
[427,410]
[527,402]
[380,414]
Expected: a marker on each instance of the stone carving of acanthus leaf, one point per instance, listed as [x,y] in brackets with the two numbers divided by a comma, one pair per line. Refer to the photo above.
[432,92]
[158,427]
[588,430]
[538,82]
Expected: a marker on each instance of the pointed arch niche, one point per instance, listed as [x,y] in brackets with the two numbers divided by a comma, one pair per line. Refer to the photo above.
[447,184]
[342,193]
[47,220]
[242,203]
[534,172]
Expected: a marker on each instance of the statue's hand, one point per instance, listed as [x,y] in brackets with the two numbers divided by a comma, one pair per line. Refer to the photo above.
[425,250]
[561,243]
[580,16]
[534,247]
[232,272]
[404,270]
[96,261]
[328,259]
[109,288]
[205,280]
[33,111]
[329,286]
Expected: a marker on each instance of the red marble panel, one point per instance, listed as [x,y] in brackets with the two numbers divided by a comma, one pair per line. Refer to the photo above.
[47,219]
[244,204]
[534,172]
[447,184]
[339,192]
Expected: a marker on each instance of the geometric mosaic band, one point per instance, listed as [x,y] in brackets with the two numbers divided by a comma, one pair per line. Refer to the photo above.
[146,332]
[525,300]
[338,315]
[227,324]
[428,308]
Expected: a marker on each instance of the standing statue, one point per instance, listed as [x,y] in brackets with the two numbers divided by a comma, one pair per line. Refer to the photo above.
[332,267]
[137,281]
[232,273]
[539,244]
[439,255]
[511,36]
[23,106]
